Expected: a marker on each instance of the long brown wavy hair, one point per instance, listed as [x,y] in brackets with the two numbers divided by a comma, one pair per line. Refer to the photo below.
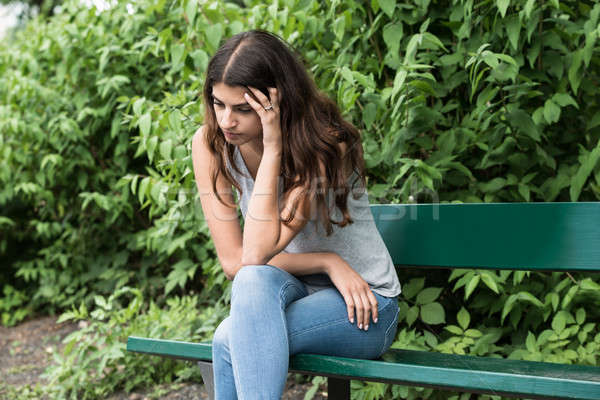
[311,123]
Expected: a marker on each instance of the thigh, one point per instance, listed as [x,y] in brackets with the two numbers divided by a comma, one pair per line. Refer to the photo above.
[318,324]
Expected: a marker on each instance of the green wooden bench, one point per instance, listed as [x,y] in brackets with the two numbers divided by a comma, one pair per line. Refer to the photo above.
[515,236]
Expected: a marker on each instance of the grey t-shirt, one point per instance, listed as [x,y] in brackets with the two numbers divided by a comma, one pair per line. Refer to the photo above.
[359,243]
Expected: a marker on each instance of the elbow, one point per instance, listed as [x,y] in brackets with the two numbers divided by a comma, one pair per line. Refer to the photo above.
[230,269]
[254,258]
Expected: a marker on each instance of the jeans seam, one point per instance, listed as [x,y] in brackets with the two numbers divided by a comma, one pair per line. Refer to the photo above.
[313,328]
[387,331]
[285,286]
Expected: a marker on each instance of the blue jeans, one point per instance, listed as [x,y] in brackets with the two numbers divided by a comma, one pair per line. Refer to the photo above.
[273,317]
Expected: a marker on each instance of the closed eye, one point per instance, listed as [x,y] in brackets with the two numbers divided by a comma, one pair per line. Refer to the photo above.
[242,110]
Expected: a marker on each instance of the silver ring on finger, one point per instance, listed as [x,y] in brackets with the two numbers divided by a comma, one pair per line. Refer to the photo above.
[269,107]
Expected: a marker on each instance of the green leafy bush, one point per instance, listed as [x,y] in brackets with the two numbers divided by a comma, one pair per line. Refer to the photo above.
[457,100]
[94,362]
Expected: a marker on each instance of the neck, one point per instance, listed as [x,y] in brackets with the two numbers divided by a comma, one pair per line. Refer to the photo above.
[255,147]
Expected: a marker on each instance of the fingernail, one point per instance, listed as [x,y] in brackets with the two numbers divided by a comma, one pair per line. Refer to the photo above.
[375,320]
[351,320]
[366,327]
[359,326]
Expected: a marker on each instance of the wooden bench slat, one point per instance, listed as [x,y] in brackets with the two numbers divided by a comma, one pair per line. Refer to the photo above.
[449,371]
[540,236]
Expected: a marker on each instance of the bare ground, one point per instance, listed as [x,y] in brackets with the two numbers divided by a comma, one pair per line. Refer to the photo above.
[26,350]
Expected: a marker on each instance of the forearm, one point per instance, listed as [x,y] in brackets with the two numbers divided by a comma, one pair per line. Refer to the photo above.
[262,224]
[299,263]
[302,263]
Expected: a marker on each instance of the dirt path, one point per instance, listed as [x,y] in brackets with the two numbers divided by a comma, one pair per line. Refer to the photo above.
[26,350]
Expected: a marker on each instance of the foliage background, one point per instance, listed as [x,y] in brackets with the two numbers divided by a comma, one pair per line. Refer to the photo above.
[457,100]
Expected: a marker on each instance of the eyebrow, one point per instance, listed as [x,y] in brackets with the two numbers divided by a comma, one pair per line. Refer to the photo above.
[235,105]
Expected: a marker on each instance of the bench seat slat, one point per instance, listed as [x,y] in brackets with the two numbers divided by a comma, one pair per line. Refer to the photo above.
[450,371]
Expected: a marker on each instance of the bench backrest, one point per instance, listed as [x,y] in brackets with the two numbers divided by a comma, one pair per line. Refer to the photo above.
[521,236]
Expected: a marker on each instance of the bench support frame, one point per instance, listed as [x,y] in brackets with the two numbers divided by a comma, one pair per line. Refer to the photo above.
[337,388]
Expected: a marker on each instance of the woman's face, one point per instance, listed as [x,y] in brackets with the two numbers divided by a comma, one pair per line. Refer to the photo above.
[236,118]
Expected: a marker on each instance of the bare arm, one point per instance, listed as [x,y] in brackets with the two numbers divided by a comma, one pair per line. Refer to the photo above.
[262,222]
[265,235]
[298,263]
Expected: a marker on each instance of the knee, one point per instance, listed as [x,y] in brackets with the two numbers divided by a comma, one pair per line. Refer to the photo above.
[221,336]
[255,280]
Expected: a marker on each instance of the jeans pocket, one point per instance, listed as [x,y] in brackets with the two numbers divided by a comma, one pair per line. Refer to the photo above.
[390,332]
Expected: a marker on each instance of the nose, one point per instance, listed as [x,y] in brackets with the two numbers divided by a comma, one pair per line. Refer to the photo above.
[227,119]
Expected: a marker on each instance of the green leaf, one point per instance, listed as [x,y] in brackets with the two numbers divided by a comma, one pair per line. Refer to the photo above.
[490,281]
[137,106]
[433,313]
[214,34]
[580,316]
[347,74]
[413,287]
[165,149]
[490,59]
[502,6]
[428,295]
[463,318]
[492,186]
[144,124]
[551,111]
[528,8]
[589,161]
[531,343]
[411,48]
[177,52]
[200,59]
[574,74]
[388,7]
[513,28]
[559,321]
[369,114]
[339,25]
[190,10]
[151,146]
[564,99]
[399,81]
[411,315]
[524,191]
[454,329]
[143,189]
[522,122]
[473,333]
[471,285]
[375,5]
[392,35]
[514,298]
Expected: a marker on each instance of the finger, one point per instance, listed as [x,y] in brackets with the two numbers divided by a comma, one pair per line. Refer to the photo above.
[358,305]
[262,99]
[256,106]
[349,307]
[367,313]
[274,98]
[373,301]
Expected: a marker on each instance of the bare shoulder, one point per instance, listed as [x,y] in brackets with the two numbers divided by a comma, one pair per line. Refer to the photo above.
[201,153]
[198,139]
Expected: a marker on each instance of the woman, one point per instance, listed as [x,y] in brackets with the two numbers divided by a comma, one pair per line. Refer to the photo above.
[310,271]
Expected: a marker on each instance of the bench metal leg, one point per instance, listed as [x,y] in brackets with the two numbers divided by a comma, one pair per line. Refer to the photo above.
[338,389]
[207,376]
